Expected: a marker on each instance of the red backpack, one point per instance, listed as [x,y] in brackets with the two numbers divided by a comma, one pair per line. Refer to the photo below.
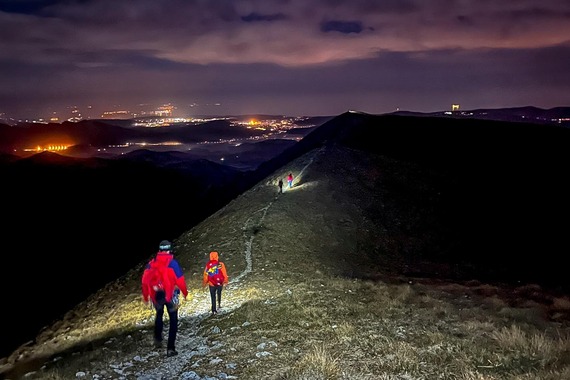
[158,276]
[214,270]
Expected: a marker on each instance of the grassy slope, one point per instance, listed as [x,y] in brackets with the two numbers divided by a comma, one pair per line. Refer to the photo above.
[324,297]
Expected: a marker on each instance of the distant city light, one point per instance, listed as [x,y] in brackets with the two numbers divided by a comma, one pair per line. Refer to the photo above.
[49,148]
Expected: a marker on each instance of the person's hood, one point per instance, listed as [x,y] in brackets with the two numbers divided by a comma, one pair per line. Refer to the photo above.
[213,255]
[164,256]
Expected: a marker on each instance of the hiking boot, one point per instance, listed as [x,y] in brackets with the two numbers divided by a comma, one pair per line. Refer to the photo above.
[158,343]
[214,313]
[171,352]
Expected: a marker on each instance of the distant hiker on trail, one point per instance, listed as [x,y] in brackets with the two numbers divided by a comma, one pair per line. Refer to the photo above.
[215,277]
[280,184]
[162,282]
[290,180]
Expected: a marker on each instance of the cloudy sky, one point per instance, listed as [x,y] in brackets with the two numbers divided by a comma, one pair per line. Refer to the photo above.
[290,57]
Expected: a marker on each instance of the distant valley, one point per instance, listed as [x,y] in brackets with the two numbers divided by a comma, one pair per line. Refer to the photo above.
[214,140]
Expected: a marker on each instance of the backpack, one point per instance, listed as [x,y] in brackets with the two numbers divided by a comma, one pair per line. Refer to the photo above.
[157,275]
[214,270]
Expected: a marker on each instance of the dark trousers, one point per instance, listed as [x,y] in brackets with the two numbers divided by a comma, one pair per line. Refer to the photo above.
[216,291]
[172,309]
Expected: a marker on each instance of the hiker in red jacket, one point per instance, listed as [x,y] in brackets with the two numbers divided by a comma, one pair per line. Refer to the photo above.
[162,282]
[290,180]
[216,277]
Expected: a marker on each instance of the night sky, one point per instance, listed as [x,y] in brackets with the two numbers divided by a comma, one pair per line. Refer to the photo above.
[288,57]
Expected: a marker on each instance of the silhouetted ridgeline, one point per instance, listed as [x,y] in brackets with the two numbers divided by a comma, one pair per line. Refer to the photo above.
[528,114]
[502,208]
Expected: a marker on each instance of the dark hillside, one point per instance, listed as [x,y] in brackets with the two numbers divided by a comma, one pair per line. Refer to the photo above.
[206,175]
[499,194]
[76,224]
[95,133]
[245,156]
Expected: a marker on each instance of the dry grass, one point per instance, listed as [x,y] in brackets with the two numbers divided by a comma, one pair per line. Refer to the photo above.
[358,330]
[334,328]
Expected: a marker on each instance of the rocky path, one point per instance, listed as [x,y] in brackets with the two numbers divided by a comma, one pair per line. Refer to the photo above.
[140,359]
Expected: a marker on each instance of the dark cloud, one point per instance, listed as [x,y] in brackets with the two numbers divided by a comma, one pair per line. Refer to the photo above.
[25,6]
[345,27]
[254,17]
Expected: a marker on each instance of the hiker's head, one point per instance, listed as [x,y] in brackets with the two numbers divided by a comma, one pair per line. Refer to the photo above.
[165,245]
[213,255]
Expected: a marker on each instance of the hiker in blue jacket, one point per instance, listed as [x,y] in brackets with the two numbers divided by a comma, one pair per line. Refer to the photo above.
[162,282]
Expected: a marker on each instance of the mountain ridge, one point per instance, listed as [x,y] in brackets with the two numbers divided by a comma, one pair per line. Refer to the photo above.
[366,208]
[532,114]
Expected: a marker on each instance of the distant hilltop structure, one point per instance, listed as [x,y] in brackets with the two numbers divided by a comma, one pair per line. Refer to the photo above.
[455,110]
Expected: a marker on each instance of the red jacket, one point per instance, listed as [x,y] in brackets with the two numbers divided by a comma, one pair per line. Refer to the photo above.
[174,279]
